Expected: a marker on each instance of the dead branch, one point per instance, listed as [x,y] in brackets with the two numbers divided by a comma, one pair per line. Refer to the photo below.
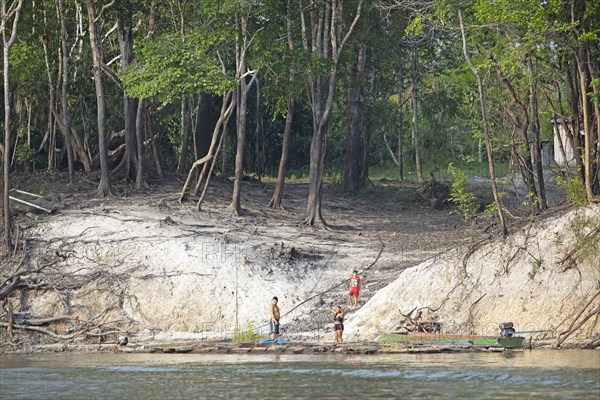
[574,325]
[188,181]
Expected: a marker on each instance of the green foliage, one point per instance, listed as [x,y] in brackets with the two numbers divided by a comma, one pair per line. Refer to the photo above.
[169,65]
[465,201]
[24,153]
[587,234]
[531,200]
[575,190]
[416,27]
[27,71]
[246,336]
[491,208]
[595,96]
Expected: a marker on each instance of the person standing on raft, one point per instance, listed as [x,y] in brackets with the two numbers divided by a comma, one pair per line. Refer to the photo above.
[275,314]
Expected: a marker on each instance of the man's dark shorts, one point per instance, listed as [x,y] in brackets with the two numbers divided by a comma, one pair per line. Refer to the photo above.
[274,327]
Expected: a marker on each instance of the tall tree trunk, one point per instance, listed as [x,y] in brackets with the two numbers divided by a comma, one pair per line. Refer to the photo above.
[590,78]
[315,178]
[596,181]
[400,121]
[96,46]
[415,108]
[139,133]
[525,149]
[64,93]
[130,105]
[185,132]
[243,88]
[155,141]
[8,41]
[29,163]
[589,144]
[50,133]
[276,199]
[486,129]
[352,164]
[574,95]
[364,159]
[259,157]
[324,35]
[577,144]
[535,133]
[224,161]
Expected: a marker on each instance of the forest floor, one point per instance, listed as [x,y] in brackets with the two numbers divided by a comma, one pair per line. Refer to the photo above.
[380,231]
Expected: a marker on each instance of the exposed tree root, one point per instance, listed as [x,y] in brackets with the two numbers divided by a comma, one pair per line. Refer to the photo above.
[42,330]
[471,251]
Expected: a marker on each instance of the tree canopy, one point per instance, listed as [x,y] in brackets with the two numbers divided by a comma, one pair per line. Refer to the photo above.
[367,87]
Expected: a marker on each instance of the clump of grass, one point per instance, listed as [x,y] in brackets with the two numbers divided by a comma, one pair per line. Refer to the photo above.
[247,335]
[536,264]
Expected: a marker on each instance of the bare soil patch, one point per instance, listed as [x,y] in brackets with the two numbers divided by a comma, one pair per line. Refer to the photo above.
[156,267]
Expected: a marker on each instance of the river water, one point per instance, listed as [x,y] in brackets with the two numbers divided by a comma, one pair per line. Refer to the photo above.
[542,374]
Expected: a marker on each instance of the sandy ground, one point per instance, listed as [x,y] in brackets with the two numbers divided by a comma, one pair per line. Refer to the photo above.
[145,265]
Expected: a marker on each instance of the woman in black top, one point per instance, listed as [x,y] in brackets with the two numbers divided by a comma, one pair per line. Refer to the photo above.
[338,323]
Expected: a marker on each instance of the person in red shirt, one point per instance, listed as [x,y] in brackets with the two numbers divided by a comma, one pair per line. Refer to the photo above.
[354,289]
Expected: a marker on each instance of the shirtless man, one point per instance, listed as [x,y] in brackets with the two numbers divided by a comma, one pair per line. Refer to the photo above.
[274,313]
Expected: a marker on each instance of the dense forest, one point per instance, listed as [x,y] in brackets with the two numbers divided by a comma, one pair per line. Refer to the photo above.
[131,91]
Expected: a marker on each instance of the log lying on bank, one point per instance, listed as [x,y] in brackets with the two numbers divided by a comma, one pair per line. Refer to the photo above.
[434,193]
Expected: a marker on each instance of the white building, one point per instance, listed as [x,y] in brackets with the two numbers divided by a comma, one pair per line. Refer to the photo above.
[564,157]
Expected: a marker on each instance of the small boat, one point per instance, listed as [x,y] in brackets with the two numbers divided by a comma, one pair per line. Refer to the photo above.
[507,338]
[511,342]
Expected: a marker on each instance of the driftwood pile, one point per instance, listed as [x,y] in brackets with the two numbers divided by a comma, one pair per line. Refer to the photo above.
[415,321]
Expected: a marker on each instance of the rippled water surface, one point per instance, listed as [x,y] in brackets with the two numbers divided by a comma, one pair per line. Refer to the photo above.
[510,375]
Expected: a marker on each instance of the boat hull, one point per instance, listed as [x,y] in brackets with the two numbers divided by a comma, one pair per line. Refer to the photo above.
[512,342]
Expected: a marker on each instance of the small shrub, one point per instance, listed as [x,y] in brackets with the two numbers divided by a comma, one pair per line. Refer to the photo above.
[575,190]
[465,201]
[24,153]
[532,200]
[491,208]
[586,232]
